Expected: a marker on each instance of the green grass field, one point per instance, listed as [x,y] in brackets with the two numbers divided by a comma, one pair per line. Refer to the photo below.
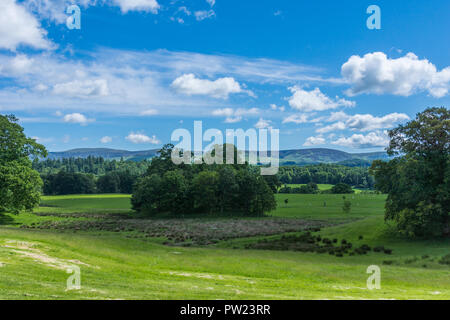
[126,264]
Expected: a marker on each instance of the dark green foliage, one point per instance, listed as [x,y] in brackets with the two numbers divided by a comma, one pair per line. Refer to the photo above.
[94,165]
[347,206]
[418,180]
[201,188]
[68,183]
[342,188]
[326,174]
[445,260]
[20,185]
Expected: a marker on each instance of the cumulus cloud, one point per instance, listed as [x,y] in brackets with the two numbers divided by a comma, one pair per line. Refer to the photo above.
[376,73]
[296,118]
[77,118]
[275,107]
[313,141]
[138,138]
[315,100]
[106,139]
[357,141]
[19,27]
[263,124]
[232,115]
[221,88]
[82,88]
[17,66]
[362,122]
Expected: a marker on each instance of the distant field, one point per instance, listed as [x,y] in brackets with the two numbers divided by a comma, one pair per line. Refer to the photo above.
[129,264]
[321,186]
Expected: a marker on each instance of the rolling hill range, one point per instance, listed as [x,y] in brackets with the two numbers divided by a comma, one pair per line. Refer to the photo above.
[287,157]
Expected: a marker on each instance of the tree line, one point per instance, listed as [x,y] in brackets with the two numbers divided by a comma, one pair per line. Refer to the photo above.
[358,177]
[90,165]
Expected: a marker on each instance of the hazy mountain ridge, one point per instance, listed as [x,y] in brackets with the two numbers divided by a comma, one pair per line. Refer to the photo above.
[294,157]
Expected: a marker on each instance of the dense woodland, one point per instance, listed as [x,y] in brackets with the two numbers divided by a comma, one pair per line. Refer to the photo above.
[328,174]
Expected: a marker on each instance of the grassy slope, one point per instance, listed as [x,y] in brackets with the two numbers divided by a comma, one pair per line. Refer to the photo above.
[124,268]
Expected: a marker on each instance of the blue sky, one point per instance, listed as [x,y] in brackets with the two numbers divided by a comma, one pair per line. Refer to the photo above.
[139,69]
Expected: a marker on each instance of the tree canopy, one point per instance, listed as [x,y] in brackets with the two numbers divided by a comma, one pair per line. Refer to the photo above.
[417,181]
[201,188]
[20,185]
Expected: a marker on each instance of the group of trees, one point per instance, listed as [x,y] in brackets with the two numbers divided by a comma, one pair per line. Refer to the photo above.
[310,188]
[327,174]
[201,188]
[89,175]
[80,183]
[417,181]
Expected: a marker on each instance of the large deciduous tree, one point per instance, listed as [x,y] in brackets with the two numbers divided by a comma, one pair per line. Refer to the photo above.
[417,180]
[20,185]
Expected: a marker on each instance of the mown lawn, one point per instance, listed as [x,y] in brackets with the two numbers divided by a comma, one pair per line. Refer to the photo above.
[120,265]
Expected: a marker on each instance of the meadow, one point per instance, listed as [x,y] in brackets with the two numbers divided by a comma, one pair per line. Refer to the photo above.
[124,256]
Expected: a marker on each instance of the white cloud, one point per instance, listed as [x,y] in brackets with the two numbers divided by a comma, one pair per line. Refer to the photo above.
[232,119]
[225,112]
[106,139]
[357,141]
[19,27]
[138,138]
[221,88]
[315,100]
[313,141]
[211,2]
[82,88]
[138,5]
[296,118]
[233,116]
[130,81]
[77,118]
[263,124]
[149,112]
[332,127]
[17,66]
[204,14]
[275,107]
[378,74]
[362,122]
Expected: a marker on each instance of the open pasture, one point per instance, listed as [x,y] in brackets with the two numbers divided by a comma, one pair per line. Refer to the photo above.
[129,264]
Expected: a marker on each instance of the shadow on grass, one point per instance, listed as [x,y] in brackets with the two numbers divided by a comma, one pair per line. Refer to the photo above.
[6,220]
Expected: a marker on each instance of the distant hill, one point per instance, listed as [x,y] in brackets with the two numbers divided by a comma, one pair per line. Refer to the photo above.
[287,157]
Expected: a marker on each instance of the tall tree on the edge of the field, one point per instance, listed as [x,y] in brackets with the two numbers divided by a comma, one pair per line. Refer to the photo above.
[417,181]
[20,185]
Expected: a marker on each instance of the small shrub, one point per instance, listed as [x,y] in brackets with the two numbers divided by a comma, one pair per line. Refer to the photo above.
[445,260]
[378,249]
